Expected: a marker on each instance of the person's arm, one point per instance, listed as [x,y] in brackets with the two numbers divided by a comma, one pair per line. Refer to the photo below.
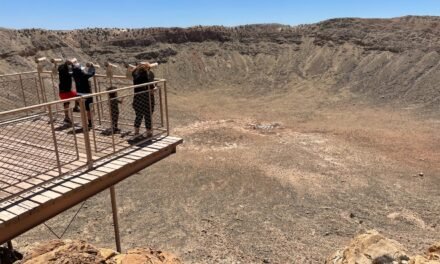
[91,72]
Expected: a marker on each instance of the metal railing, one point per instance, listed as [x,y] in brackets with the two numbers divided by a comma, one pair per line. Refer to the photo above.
[38,144]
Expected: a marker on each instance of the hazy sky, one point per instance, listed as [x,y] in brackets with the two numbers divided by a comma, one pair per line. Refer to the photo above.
[61,14]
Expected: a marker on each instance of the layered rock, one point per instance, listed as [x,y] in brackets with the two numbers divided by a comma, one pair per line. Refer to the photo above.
[374,248]
[74,251]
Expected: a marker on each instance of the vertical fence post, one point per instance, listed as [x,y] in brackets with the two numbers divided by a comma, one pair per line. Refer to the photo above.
[84,121]
[55,90]
[161,107]
[22,90]
[97,90]
[150,93]
[112,125]
[166,106]
[52,128]
[42,88]
[115,218]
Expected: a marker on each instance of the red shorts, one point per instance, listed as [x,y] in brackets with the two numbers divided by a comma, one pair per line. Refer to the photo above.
[67,95]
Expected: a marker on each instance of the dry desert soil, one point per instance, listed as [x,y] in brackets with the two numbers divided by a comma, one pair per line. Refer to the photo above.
[296,138]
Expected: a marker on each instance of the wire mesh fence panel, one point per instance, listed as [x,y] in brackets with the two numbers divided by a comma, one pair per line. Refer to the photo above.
[50,87]
[12,93]
[41,141]
[33,146]
[127,118]
[32,90]
[20,90]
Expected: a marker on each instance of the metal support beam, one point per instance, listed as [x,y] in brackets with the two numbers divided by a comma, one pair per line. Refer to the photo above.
[115,219]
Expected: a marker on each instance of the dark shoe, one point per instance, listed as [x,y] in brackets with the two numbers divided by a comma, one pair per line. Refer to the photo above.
[67,121]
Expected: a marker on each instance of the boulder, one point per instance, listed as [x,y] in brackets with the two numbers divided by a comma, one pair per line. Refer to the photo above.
[369,248]
[142,255]
[76,252]
[374,248]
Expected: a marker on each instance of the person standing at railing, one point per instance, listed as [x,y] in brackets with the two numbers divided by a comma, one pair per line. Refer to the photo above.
[143,99]
[114,108]
[81,75]
[65,87]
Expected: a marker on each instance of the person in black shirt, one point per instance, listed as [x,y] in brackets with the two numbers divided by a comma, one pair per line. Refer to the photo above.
[81,76]
[143,99]
[65,87]
[114,108]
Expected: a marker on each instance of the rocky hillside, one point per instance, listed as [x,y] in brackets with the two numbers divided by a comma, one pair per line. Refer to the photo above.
[379,59]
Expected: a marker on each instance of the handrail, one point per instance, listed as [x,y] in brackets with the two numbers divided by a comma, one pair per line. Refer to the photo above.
[18,73]
[28,108]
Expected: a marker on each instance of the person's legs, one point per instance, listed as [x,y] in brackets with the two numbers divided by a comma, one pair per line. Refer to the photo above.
[149,115]
[139,113]
[115,116]
[88,103]
[148,125]
[66,113]
[76,108]
[137,122]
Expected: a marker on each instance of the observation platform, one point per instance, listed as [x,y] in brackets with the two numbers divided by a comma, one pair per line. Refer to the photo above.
[48,165]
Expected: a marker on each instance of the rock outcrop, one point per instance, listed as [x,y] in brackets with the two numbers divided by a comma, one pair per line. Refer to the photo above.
[374,248]
[74,251]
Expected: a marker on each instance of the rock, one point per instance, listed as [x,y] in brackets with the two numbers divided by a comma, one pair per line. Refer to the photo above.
[141,255]
[74,251]
[369,248]
[67,251]
[373,248]
[107,253]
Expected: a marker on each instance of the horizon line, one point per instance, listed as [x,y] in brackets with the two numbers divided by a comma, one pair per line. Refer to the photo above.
[225,26]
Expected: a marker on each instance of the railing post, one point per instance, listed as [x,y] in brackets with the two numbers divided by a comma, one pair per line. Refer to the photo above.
[110,110]
[52,128]
[42,88]
[55,91]
[161,106]
[22,90]
[38,92]
[150,110]
[166,106]
[97,90]
[84,122]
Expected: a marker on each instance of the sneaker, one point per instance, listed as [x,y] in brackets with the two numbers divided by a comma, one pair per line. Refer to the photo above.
[116,130]
[67,121]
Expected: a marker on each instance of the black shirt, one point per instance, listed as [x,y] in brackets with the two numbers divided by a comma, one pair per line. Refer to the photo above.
[82,79]
[65,78]
[142,76]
